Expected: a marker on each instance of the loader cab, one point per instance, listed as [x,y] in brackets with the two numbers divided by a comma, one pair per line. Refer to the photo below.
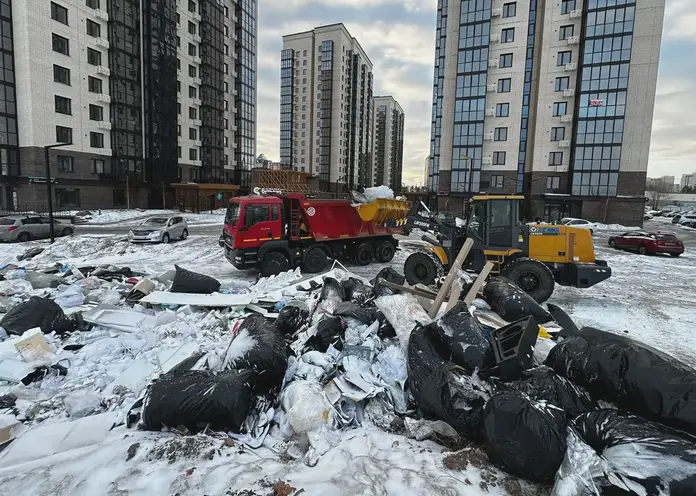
[495,221]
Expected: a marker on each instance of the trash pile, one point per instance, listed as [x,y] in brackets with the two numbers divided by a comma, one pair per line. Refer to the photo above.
[291,363]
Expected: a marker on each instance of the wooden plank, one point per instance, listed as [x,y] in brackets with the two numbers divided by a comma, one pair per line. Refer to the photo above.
[404,289]
[451,276]
[454,294]
[478,283]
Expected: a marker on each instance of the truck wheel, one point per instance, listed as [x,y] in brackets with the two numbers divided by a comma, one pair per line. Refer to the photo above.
[273,264]
[385,251]
[420,268]
[314,260]
[363,254]
[532,277]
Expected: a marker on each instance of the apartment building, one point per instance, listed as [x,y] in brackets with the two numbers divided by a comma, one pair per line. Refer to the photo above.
[551,99]
[146,98]
[326,107]
[687,181]
[388,142]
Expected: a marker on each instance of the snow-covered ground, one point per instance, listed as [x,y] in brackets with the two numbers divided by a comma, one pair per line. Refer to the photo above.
[133,217]
[651,298]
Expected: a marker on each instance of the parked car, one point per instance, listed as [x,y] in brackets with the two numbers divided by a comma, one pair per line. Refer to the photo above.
[581,223]
[678,218]
[647,216]
[687,217]
[689,223]
[159,230]
[27,227]
[648,243]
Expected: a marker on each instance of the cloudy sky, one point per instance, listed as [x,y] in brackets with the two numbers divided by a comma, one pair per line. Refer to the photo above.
[399,38]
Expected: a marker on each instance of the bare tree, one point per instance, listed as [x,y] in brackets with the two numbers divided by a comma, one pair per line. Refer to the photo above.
[657,191]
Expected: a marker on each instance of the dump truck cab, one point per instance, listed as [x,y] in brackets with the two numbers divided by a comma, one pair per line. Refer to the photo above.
[534,256]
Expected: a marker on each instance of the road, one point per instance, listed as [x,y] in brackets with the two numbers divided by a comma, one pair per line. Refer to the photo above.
[213,230]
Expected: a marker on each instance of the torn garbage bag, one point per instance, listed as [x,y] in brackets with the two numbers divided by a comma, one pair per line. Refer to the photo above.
[630,374]
[36,312]
[404,312]
[331,296]
[330,332]
[186,281]
[524,437]
[292,317]
[390,275]
[511,303]
[441,389]
[543,384]
[305,405]
[648,458]
[259,346]
[195,398]
[363,315]
[357,292]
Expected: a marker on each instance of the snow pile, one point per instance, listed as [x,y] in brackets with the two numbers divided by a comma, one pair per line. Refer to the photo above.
[614,227]
[101,217]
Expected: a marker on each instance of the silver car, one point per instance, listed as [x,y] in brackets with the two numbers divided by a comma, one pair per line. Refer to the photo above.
[159,230]
[27,227]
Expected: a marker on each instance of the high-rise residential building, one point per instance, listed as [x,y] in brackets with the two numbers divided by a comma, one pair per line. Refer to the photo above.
[326,107]
[388,143]
[553,100]
[145,97]
[687,181]
[665,184]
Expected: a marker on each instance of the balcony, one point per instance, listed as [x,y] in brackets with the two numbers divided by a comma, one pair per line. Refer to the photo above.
[570,67]
[496,12]
[573,40]
[101,97]
[196,38]
[491,88]
[104,125]
[567,118]
[564,144]
[196,59]
[490,112]
[569,92]
[196,163]
[488,136]
[196,16]
[495,37]
[103,70]
[102,42]
[104,151]
[493,63]
[487,160]
[100,14]
[576,14]
[196,101]
[196,80]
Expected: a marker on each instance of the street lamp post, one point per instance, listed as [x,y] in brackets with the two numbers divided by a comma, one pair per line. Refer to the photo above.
[50,189]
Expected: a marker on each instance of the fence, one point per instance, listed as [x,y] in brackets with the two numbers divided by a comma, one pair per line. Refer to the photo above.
[42,209]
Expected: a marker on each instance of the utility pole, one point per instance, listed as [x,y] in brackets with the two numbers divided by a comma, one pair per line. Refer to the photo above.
[49,188]
[164,203]
[127,190]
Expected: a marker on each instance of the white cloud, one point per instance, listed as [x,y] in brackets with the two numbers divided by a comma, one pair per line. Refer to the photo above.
[680,19]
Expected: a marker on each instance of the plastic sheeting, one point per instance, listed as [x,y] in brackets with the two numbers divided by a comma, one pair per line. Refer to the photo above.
[404,312]
[511,303]
[634,376]
[332,295]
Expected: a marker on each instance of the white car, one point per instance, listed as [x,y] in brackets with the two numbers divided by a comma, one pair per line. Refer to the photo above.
[159,230]
[580,223]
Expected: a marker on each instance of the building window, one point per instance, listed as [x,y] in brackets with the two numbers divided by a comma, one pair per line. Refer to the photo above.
[553,182]
[226,105]
[566,32]
[227,31]
[65,163]
[193,154]
[191,28]
[504,85]
[178,130]
[178,64]
[556,158]
[193,133]
[92,4]
[96,113]
[93,57]
[567,6]
[562,83]
[192,71]
[63,105]
[502,110]
[193,92]
[192,6]
[178,152]
[93,29]
[557,133]
[98,166]
[61,45]
[505,60]
[193,113]
[178,109]
[227,49]
[61,74]
[192,50]
[497,181]
[564,58]
[507,35]
[67,197]
[63,134]
[226,68]
[500,134]
[94,84]
[510,9]
[498,158]
[59,13]
[96,140]
[560,108]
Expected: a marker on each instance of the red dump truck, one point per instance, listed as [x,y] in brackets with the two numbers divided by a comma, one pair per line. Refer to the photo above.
[280,232]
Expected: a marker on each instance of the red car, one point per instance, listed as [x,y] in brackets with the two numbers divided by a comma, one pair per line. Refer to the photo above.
[647,243]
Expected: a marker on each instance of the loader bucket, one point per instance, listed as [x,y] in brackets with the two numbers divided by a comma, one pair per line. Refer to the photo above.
[383,210]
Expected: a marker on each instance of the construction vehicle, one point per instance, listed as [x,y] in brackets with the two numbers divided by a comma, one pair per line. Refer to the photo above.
[275,232]
[533,256]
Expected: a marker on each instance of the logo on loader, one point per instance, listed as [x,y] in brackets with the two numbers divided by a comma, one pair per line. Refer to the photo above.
[311,211]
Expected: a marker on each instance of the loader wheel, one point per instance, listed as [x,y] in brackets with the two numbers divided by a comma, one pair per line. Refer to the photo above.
[314,261]
[363,254]
[385,252]
[421,269]
[273,264]
[532,276]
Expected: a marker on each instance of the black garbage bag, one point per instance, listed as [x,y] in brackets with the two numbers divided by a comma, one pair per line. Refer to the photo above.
[442,389]
[524,437]
[463,338]
[386,330]
[562,319]
[42,371]
[630,374]
[330,331]
[186,281]
[292,317]
[357,292]
[332,295]
[196,398]
[37,312]
[388,274]
[544,384]
[511,303]
[644,457]
[259,346]
[353,311]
